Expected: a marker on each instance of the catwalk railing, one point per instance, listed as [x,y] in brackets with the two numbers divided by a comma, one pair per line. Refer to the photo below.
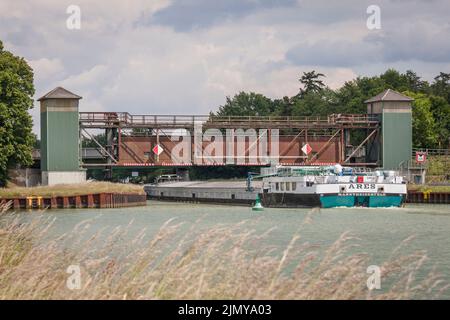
[126,120]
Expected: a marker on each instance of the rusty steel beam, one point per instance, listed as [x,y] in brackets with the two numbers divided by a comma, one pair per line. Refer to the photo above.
[173,143]
[131,152]
[100,146]
[324,147]
[247,151]
[361,144]
[290,143]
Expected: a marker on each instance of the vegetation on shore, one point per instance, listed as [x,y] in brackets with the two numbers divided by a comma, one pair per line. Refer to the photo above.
[16,99]
[222,262]
[438,169]
[428,188]
[71,189]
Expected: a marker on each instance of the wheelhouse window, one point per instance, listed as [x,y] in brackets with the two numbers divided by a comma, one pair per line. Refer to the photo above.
[277,186]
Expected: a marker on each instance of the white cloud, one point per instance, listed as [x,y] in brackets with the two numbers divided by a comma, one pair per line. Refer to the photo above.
[87,80]
[45,69]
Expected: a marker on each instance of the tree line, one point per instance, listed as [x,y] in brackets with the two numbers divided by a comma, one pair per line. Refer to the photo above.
[430,109]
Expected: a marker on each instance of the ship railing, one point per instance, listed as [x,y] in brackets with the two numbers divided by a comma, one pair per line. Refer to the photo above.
[354,179]
[362,170]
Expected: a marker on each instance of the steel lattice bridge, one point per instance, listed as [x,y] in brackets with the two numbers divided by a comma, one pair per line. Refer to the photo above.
[209,140]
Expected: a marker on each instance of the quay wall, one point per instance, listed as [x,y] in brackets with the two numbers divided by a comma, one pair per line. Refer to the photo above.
[428,197]
[96,200]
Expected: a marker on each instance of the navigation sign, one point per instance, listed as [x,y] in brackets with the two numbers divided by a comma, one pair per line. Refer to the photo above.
[306,149]
[421,157]
[157,149]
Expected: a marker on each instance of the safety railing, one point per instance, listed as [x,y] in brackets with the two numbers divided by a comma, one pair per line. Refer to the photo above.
[431,152]
[129,119]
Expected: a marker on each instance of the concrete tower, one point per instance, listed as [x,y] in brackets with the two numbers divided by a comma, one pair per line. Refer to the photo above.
[59,138]
[395,113]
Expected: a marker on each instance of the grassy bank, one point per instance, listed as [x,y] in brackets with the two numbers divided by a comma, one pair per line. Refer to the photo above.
[222,262]
[428,188]
[71,189]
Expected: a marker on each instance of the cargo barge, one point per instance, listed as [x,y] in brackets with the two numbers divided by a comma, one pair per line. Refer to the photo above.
[217,192]
[294,187]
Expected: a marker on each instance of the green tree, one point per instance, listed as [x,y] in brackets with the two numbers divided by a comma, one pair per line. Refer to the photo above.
[415,83]
[142,131]
[315,104]
[311,82]
[350,98]
[394,79]
[283,107]
[425,133]
[440,109]
[90,143]
[246,104]
[16,92]
[441,86]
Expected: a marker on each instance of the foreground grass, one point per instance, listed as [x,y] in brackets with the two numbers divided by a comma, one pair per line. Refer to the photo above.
[224,262]
[71,189]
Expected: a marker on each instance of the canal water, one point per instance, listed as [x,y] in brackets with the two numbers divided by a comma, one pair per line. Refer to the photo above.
[380,230]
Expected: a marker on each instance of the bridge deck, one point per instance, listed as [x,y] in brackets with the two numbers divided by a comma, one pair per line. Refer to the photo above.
[126,120]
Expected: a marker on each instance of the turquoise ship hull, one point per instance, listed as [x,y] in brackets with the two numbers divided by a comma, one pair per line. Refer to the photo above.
[337,201]
[372,201]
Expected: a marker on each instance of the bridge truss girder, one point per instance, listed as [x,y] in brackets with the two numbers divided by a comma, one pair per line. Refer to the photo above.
[120,128]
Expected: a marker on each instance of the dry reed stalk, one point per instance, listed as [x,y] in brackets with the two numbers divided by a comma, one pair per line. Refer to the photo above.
[71,189]
[223,262]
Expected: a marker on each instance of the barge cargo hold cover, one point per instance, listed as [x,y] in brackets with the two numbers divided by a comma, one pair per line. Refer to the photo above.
[204,191]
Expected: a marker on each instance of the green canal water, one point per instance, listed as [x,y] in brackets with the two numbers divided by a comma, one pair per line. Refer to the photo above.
[379,231]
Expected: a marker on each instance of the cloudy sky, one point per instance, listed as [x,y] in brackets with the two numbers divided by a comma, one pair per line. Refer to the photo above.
[186,56]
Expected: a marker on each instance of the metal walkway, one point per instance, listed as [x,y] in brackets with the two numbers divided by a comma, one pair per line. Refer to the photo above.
[126,120]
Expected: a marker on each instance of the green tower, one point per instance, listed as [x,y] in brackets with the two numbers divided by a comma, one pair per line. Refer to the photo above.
[395,113]
[59,138]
